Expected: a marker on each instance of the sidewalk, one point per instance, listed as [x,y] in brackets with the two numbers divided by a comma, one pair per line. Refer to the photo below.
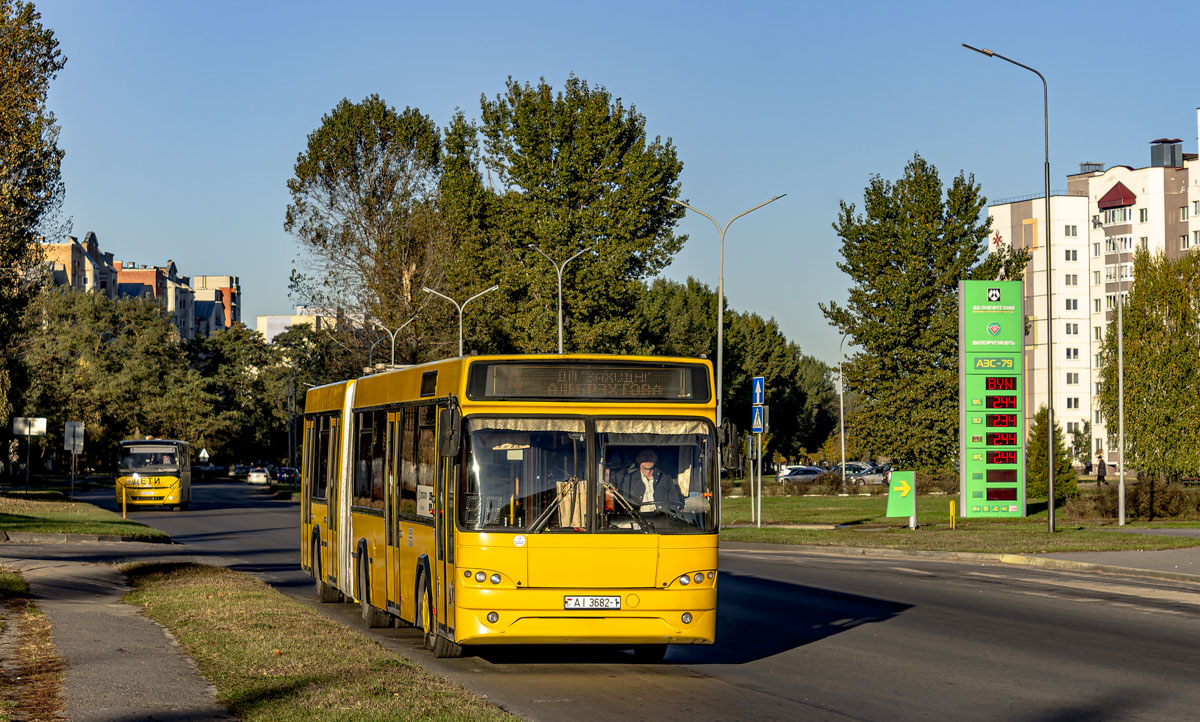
[121,665]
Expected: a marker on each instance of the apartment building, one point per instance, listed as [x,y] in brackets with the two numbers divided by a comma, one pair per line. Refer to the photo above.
[225,291]
[1096,224]
[82,266]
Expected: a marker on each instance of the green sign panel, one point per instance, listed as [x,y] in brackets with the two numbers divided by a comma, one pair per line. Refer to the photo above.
[902,494]
[991,340]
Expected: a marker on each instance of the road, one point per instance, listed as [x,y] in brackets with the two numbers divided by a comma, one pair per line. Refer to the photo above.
[805,635]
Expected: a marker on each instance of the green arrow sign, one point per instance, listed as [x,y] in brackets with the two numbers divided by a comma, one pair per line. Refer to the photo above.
[902,494]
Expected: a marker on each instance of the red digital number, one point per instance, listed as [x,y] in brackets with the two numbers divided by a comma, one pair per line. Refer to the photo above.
[1001,457]
[1001,383]
[1002,438]
[1001,402]
[1002,421]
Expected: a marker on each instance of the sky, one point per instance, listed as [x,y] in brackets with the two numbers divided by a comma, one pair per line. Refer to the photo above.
[182,121]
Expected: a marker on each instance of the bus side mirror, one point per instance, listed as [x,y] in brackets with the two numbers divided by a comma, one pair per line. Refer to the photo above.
[449,431]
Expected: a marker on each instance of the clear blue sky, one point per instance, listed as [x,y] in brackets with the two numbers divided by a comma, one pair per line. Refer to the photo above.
[182,120]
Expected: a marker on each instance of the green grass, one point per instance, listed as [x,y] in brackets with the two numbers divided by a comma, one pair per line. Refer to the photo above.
[867,526]
[49,512]
[12,586]
[273,658]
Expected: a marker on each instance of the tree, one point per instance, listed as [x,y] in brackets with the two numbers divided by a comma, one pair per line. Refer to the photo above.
[1036,485]
[571,170]
[31,187]
[1162,364]
[365,211]
[1081,442]
[905,257]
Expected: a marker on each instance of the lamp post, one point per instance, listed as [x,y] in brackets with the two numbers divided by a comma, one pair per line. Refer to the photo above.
[558,268]
[460,307]
[393,334]
[721,288]
[1049,286]
[1120,399]
[842,409]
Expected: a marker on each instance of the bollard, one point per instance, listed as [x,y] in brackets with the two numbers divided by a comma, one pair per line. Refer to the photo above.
[952,517]
[124,490]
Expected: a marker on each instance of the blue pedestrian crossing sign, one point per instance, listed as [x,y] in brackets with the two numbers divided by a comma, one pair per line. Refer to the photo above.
[758,391]
[756,419]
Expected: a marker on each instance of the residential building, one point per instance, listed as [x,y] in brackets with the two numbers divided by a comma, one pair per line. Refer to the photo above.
[272,326]
[225,290]
[82,266]
[1098,223]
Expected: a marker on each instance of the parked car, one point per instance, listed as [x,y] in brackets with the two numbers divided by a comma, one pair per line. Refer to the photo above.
[801,474]
[258,475]
[287,475]
[872,475]
[240,470]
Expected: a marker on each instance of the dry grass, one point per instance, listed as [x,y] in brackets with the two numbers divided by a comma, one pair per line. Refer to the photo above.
[31,672]
[272,658]
[51,513]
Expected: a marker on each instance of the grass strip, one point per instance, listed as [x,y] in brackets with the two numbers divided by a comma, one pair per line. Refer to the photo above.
[272,658]
[866,525]
[31,672]
[51,513]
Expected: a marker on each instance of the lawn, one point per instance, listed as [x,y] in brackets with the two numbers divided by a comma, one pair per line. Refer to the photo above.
[273,658]
[863,523]
[49,512]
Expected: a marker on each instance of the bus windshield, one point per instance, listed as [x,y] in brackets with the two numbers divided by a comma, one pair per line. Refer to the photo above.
[151,457]
[531,475]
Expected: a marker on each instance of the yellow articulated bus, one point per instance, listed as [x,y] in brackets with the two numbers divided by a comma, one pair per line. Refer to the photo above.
[519,500]
[154,472]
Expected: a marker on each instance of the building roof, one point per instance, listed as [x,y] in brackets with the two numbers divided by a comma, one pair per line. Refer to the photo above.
[1117,197]
[205,309]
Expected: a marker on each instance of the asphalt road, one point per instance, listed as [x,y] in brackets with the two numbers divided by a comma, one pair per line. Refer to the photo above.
[806,636]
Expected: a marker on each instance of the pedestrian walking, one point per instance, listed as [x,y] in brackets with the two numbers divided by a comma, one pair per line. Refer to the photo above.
[1100,469]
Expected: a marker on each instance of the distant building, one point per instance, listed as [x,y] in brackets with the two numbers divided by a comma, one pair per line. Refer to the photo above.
[272,326]
[225,290]
[82,266]
[164,284]
[1098,223]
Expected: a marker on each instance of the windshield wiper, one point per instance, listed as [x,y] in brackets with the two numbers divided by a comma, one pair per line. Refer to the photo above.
[544,517]
[645,525]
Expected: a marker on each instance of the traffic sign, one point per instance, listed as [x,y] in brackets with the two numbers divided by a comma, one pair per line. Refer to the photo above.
[73,437]
[902,494]
[28,426]
[758,391]
[203,455]
[756,420]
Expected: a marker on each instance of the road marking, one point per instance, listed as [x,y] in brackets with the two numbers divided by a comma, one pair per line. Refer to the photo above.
[914,571]
[1166,595]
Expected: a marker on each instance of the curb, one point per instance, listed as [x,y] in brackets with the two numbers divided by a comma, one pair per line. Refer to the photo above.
[24,537]
[995,558]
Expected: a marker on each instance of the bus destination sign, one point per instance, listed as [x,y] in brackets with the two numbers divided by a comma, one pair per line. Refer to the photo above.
[585,380]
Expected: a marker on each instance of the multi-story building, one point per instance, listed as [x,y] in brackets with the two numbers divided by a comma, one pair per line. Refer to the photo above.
[224,290]
[272,326]
[1096,225]
[165,284]
[82,266]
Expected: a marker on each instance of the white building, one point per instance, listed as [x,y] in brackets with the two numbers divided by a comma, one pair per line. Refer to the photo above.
[1096,225]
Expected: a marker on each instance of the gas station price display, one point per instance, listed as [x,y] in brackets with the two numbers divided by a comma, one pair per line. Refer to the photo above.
[991,398]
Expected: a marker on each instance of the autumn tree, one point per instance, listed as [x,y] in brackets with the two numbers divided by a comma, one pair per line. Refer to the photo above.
[364,209]
[31,186]
[905,254]
[1036,484]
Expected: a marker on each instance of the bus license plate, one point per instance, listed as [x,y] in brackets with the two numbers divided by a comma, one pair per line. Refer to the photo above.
[591,602]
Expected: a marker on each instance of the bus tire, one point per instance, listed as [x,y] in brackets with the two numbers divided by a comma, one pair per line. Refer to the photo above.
[425,612]
[372,617]
[649,653]
[180,507]
[445,649]
[326,593]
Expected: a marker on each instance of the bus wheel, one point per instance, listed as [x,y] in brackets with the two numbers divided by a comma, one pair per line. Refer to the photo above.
[325,592]
[180,507]
[425,612]
[372,617]
[649,653]
[443,648]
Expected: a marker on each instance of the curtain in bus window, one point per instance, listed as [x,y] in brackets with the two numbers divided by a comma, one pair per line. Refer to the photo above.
[378,451]
[408,462]
[362,460]
[426,460]
[321,469]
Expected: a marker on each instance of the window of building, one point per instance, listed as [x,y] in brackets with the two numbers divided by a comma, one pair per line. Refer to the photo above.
[1071,231]
[1072,378]
[1072,353]
[1097,364]
[1195,240]
[1096,248]
[1096,331]
[1071,279]
[1183,213]
[1098,421]
[1072,403]
[1072,329]
[1095,278]
[1145,242]
[1110,273]
[1072,427]
[1095,305]
[1072,254]
[1097,387]
[1184,243]
[1196,208]
[1143,215]
[1072,304]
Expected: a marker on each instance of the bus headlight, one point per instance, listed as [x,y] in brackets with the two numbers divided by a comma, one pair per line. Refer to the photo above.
[492,617]
[495,579]
[480,576]
[699,577]
[685,580]
[687,617]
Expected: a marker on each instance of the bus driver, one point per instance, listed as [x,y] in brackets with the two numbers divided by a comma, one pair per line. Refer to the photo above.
[651,487]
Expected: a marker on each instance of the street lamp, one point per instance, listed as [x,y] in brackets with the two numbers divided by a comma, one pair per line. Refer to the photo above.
[1120,396]
[558,268]
[1049,285]
[460,307]
[721,288]
[393,334]
[842,409]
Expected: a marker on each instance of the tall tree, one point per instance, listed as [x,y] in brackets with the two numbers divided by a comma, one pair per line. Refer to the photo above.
[1036,485]
[365,212]
[1162,365]
[905,256]
[31,187]
[565,171]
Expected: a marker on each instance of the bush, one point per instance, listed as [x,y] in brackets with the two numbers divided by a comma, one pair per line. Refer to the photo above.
[942,480]
[1151,498]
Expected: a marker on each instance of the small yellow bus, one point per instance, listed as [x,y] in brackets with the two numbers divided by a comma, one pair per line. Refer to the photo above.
[154,472]
[519,500]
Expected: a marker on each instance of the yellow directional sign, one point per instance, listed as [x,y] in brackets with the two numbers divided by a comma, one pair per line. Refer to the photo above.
[902,497]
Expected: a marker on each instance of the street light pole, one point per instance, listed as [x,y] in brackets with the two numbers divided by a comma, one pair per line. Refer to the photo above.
[393,334]
[1120,400]
[721,288]
[842,409]
[460,307]
[558,268]
[1049,285]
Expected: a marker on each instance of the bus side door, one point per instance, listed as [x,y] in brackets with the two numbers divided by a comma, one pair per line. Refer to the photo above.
[444,515]
[332,491]
[306,490]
